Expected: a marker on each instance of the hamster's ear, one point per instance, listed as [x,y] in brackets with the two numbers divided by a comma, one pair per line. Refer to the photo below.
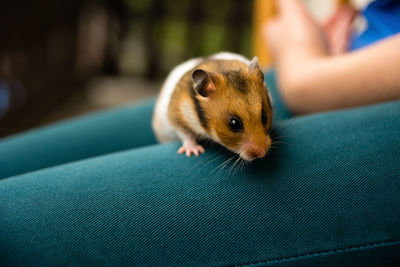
[254,64]
[255,68]
[203,84]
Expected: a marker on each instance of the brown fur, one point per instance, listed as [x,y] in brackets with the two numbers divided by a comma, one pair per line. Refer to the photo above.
[227,100]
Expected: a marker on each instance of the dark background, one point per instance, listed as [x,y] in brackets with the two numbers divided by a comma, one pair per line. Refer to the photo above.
[64,58]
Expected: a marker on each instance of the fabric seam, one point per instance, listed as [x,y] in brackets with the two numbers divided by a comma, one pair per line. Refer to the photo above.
[323,253]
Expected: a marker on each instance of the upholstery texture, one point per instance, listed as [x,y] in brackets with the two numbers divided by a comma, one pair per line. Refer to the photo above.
[93,135]
[75,139]
[327,194]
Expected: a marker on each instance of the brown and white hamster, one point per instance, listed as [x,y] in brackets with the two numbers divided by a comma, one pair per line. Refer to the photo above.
[222,98]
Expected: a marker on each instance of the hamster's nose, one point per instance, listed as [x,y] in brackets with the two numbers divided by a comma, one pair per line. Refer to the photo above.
[257,153]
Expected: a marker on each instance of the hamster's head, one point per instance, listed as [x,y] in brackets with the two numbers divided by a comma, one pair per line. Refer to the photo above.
[237,108]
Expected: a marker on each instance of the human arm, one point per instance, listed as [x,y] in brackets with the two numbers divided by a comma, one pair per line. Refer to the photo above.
[312,80]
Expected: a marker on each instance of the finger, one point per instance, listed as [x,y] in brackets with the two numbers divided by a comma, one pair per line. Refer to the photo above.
[272,35]
[290,8]
[201,149]
[294,14]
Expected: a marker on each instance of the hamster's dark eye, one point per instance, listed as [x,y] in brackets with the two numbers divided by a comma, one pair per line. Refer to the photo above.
[235,124]
[264,117]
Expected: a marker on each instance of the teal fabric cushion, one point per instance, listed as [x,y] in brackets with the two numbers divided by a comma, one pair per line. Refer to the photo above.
[93,135]
[327,194]
[70,140]
[281,111]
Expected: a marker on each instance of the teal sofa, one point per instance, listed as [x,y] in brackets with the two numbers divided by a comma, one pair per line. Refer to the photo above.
[98,190]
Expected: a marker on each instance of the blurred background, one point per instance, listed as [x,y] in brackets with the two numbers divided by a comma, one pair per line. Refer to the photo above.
[62,58]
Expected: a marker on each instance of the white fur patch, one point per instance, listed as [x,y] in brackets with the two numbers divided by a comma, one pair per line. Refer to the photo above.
[161,111]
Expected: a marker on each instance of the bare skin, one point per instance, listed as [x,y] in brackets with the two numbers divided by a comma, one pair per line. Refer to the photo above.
[312,79]
[338,29]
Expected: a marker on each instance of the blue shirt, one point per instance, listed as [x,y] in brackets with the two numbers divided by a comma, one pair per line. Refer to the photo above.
[383,19]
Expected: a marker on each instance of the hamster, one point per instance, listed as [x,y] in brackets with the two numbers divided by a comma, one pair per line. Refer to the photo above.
[222,98]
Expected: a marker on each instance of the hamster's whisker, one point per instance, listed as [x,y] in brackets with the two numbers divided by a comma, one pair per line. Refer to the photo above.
[234,165]
[205,165]
[223,164]
[226,162]
[214,159]
[276,144]
[282,137]
[244,164]
[239,166]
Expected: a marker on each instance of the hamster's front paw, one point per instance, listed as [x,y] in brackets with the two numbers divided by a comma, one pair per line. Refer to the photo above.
[190,146]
